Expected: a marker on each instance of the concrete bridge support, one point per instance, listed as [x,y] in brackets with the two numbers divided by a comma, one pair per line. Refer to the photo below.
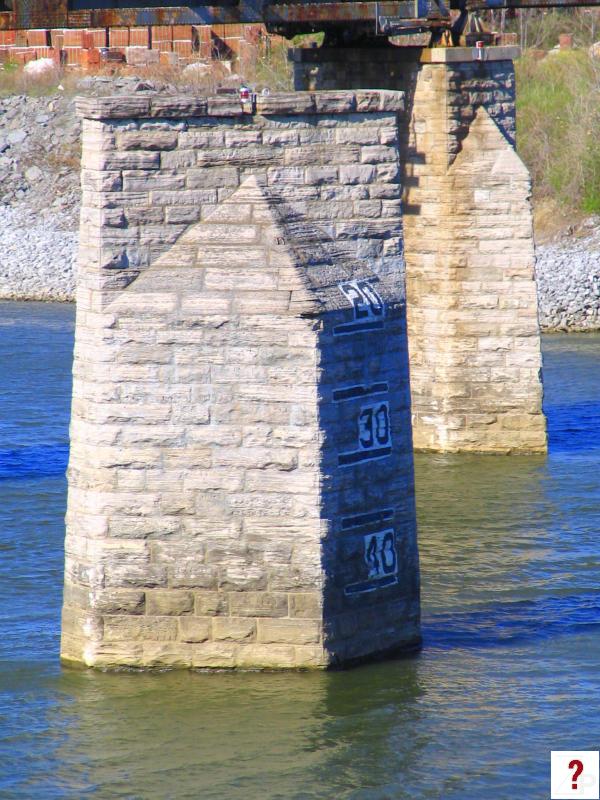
[241,480]
[472,309]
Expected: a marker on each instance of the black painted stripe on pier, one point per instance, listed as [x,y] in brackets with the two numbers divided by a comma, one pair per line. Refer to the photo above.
[357,327]
[346,459]
[371,586]
[358,520]
[352,392]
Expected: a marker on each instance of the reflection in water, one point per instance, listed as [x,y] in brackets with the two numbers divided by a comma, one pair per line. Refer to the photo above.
[227,735]
[481,527]
[509,669]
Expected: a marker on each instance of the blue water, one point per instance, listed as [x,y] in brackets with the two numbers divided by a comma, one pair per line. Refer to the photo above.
[511,600]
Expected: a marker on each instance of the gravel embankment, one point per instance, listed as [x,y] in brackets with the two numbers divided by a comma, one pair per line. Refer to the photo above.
[568,284]
[37,255]
[40,150]
[39,196]
[39,209]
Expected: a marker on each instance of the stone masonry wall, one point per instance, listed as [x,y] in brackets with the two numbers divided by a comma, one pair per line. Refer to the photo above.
[473,320]
[472,309]
[240,484]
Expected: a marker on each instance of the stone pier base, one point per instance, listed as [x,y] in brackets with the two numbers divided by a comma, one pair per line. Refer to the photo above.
[472,308]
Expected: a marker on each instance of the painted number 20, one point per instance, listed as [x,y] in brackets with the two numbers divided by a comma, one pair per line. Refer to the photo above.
[365,300]
[374,426]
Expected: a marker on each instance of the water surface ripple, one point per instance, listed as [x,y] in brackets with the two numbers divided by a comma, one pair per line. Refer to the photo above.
[511,613]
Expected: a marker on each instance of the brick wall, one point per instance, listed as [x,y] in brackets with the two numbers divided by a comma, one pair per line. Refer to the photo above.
[139,45]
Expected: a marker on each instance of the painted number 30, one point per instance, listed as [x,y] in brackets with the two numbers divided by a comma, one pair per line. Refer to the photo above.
[374,426]
[380,554]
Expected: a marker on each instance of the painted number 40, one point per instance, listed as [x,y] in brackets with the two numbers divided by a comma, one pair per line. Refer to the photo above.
[380,554]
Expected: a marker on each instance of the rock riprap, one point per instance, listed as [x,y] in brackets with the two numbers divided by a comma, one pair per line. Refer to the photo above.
[568,283]
[37,255]
[40,195]
[39,153]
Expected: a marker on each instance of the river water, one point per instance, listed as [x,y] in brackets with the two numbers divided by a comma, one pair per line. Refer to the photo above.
[511,613]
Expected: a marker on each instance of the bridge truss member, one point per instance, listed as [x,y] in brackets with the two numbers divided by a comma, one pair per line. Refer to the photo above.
[344,21]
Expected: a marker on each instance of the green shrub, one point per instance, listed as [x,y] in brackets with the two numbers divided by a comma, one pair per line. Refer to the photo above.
[558,126]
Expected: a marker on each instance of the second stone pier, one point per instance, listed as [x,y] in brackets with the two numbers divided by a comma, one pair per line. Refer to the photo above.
[474,336]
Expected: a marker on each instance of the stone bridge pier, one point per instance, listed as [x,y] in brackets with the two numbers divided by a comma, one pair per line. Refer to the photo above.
[241,487]
[474,337]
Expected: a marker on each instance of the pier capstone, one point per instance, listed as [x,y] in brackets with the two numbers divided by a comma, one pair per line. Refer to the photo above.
[241,485]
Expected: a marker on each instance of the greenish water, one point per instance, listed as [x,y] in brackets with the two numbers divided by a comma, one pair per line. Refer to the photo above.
[511,602]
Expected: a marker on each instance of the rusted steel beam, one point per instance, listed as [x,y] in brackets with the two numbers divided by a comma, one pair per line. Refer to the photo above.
[32,13]
[226,11]
[337,12]
[483,5]
[87,13]
[357,16]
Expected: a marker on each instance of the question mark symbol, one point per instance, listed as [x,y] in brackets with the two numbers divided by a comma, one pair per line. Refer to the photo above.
[577,765]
